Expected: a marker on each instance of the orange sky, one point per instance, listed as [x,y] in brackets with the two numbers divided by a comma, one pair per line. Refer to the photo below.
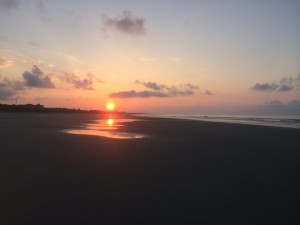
[196,57]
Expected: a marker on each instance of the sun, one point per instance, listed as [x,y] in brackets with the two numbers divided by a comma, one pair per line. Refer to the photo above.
[110,106]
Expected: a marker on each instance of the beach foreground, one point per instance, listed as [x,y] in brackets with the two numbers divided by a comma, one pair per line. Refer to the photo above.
[183,172]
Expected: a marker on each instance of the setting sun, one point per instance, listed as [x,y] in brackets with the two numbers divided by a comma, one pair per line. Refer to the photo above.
[110,106]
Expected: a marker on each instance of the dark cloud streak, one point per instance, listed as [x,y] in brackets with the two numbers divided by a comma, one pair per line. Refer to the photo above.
[126,23]
[285,84]
[151,85]
[285,87]
[157,90]
[138,94]
[264,87]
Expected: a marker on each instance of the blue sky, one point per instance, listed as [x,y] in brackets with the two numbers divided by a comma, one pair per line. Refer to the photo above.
[239,54]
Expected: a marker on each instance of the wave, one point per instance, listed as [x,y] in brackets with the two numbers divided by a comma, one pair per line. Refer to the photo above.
[277,121]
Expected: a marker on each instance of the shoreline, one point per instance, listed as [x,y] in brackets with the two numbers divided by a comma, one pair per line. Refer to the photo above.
[284,121]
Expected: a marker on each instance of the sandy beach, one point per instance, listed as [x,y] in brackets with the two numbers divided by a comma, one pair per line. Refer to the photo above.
[183,172]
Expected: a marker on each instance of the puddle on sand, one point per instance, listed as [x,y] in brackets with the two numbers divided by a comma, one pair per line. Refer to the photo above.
[105,128]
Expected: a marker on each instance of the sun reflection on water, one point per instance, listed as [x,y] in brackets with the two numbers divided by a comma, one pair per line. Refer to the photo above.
[110,122]
[106,128]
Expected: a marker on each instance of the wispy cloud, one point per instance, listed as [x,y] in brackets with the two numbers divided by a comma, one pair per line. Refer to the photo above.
[38,62]
[9,4]
[209,93]
[157,90]
[41,11]
[285,84]
[85,83]
[36,78]
[73,58]
[276,106]
[126,23]
[35,44]
[5,62]
[9,89]
[40,8]
[73,18]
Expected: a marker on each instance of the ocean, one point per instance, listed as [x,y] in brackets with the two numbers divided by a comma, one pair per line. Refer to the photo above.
[288,121]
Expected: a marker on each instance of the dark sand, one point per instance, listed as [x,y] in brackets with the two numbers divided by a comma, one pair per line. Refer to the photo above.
[186,172]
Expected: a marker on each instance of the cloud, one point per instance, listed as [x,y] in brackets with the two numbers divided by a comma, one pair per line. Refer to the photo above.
[155,86]
[126,23]
[264,87]
[138,94]
[5,62]
[285,84]
[42,12]
[274,103]
[9,4]
[289,83]
[277,107]
[295,104]
[278,103]
[285,87]
[37,62]
[73,18]
[77,60]
[36,78]
[157,90]
[78,83]
[191,86]
[9,89]
[209,93]
[35,44]
[150,85]
[40,8]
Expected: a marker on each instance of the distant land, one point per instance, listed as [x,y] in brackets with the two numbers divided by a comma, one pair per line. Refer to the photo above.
[42,109]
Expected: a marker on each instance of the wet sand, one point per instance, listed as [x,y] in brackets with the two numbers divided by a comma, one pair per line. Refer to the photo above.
[184,172]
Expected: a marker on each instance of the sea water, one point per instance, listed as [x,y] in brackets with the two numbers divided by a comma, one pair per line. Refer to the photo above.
[288,121]
[105,128]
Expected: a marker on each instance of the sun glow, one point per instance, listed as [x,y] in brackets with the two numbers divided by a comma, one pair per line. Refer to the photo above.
[110,122]
[110,106]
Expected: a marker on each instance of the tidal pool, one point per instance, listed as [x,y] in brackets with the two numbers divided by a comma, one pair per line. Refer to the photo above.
[106,128]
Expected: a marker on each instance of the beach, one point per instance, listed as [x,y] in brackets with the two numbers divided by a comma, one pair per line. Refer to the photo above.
[181,172]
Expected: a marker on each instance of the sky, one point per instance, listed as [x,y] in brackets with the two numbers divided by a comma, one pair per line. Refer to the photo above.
[171,56]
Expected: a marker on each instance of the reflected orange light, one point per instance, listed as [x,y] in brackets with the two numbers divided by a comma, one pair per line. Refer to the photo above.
[110,106]
[110,122]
